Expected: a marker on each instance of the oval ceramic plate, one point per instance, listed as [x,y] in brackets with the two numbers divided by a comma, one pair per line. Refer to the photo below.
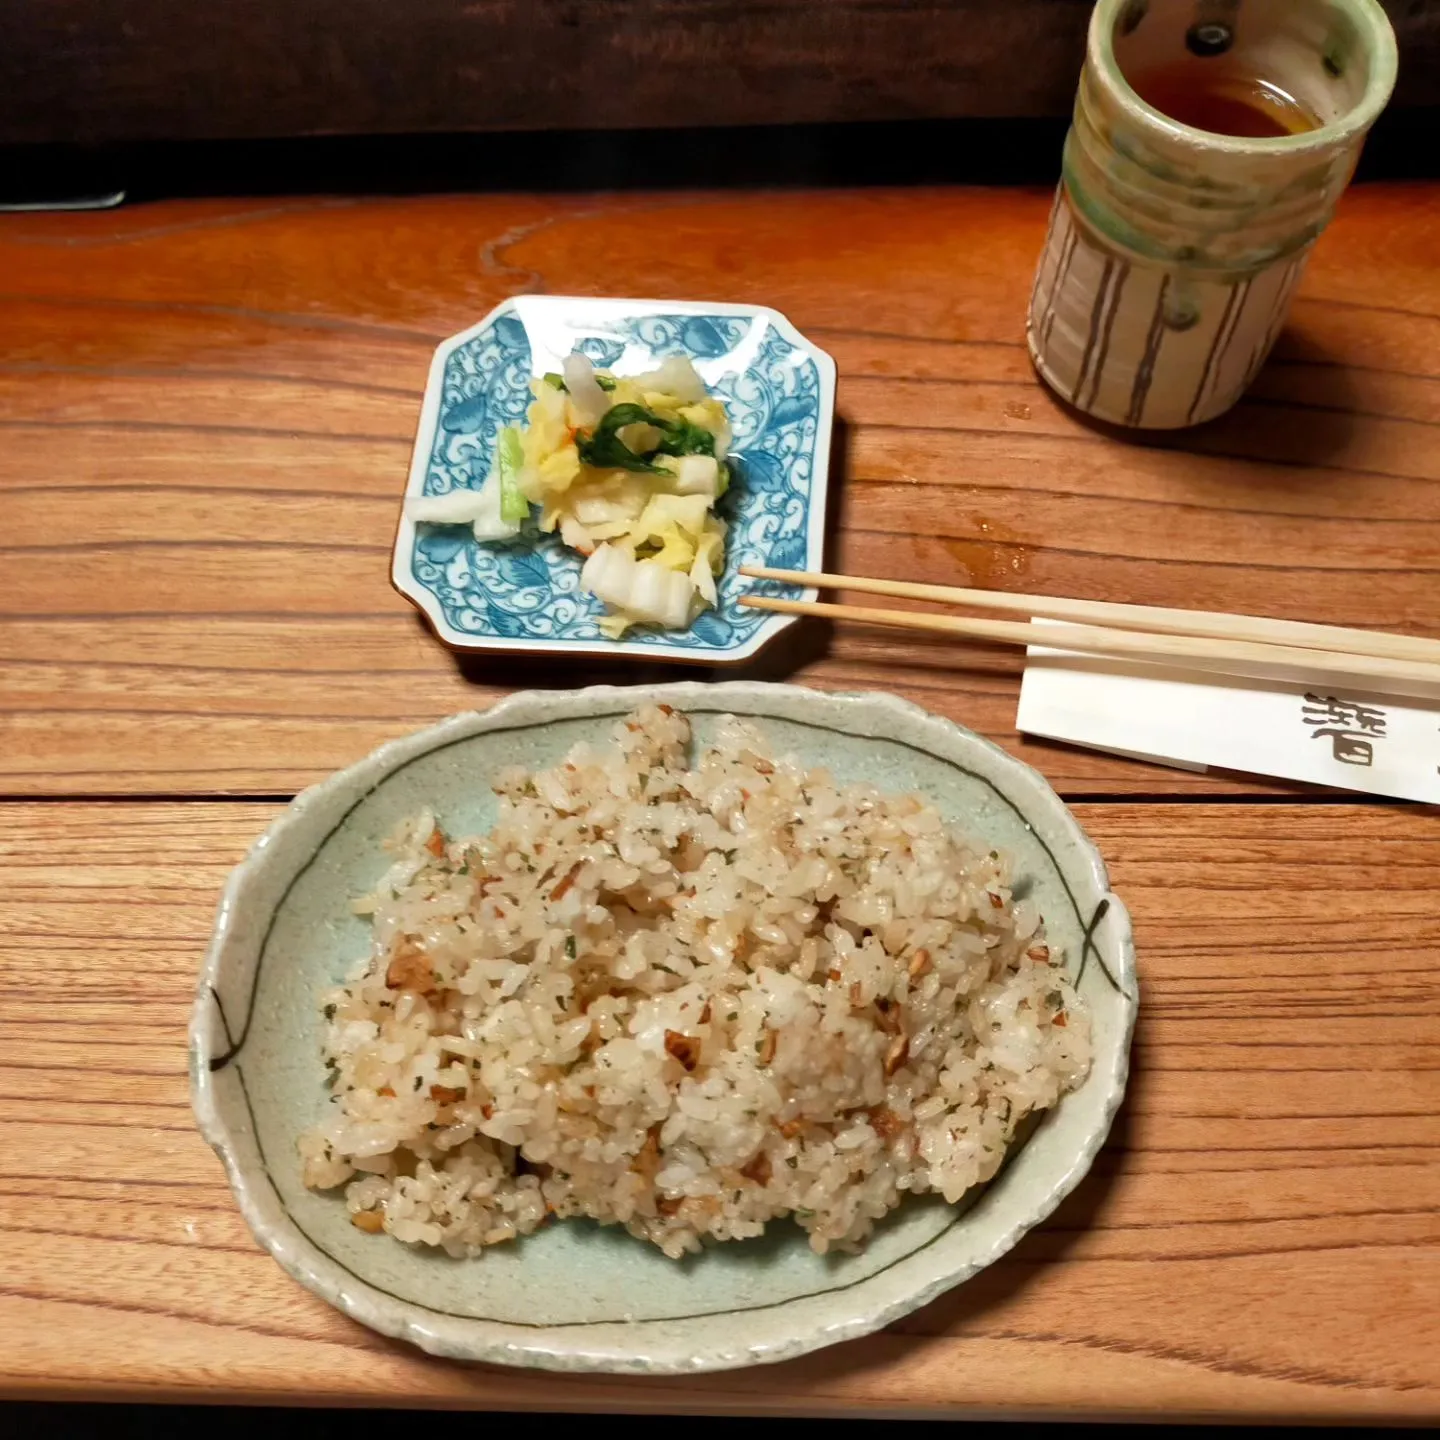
[576,1296]
[779,392]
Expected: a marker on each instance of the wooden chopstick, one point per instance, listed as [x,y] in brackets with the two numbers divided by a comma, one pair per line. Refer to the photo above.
[1153,619]
[1279,662]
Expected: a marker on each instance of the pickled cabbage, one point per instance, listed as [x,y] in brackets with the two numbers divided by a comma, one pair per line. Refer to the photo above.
[628,471]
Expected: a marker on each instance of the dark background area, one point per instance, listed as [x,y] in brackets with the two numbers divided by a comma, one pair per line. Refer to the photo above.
[160,98]
[1404,144]
[111,71]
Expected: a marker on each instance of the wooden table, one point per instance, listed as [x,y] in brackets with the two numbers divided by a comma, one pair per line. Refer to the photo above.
[206,411]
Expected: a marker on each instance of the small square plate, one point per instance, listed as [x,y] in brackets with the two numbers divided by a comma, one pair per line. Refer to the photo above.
[524,595]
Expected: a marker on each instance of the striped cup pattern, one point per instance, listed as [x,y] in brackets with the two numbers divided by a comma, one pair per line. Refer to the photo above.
[1138,344]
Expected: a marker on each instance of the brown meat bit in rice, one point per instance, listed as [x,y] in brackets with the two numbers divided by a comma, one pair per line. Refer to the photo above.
[410,970]
[446,1094]
[669,1205]
[996,903]
[791,1128]
[895,1055]
[886,1123]
[436,843]
[563,887]
[387,1091]
[765,1047]
[1039,953]
[887,1017]
[758,1168]
[684,1048]
[647,1159]
[372,1222]
[689,855]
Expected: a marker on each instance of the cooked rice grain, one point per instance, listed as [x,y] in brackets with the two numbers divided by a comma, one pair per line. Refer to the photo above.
[687,1000]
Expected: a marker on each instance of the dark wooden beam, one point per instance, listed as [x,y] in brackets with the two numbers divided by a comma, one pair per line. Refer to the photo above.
[121,70]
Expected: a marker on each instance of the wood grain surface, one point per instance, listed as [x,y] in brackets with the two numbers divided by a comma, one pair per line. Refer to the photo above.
[1261,1236]
[97,70]
[207,408]
[206,413]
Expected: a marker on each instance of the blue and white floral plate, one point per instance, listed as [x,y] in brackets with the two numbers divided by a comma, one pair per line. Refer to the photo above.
[779,390]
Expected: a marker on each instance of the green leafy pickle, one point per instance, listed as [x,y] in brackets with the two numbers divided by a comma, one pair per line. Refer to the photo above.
[604,449]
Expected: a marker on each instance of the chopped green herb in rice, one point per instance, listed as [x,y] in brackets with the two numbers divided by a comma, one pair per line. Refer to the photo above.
[687,1037]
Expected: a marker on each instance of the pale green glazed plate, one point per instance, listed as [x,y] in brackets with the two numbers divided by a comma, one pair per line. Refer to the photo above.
[576,1296]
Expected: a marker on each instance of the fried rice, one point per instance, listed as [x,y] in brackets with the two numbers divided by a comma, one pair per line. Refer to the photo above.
[686,998]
